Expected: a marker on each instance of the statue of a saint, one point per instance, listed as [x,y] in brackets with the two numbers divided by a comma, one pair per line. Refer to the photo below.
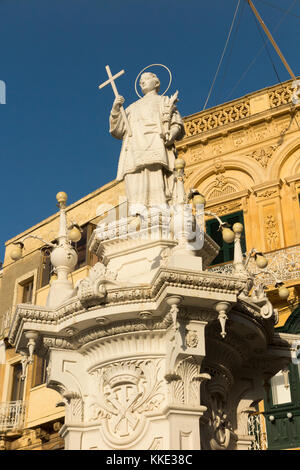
[148,154]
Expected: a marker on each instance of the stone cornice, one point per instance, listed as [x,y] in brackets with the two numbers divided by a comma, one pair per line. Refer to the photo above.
[292,179]
[270,188]
[234,115]
[116,296]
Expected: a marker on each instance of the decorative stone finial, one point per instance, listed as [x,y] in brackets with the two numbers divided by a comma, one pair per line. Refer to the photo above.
[61,198]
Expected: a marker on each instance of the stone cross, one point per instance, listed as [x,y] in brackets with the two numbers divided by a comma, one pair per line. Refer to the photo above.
[111,80]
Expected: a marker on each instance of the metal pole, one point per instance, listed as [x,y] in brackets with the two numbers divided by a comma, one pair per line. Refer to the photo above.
[271,39]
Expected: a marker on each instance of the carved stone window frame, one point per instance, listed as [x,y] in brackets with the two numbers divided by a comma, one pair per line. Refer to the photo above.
[19,283]
[8,378]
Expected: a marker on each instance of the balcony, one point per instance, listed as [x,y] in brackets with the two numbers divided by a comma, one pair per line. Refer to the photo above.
[257,429]
[12,416]
[283,263]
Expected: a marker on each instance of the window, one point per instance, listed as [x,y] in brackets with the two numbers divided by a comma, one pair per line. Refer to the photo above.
[17,390]
[46,271]
[40,371]
[27,292]
[280,392]
[25,288]
[81,248]
[226,252]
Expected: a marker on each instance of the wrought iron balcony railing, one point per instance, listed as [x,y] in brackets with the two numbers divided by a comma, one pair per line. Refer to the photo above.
[257,429]
[12,415]
[284,264]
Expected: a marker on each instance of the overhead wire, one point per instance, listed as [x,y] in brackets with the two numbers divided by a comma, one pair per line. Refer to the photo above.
[223,53]
[279,8]
[267,49]
[275,70]
[259,53]
[233,42]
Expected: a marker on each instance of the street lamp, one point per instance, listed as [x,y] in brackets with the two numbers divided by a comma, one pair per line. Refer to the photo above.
[283,291]
[63,256]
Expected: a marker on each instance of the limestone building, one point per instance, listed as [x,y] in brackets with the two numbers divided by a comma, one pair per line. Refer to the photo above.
[243,156]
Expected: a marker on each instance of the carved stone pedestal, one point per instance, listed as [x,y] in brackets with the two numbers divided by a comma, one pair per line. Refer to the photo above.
[173,360]
[178,429]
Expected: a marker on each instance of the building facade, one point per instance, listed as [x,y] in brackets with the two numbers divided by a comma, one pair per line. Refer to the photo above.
[243,156]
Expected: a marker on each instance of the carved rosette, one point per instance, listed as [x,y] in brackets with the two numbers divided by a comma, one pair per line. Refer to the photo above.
[128,391]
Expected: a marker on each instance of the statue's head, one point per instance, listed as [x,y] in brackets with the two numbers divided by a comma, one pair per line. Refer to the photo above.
[149,82]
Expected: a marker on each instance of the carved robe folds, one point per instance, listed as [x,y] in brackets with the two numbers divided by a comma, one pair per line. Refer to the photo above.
[145,162]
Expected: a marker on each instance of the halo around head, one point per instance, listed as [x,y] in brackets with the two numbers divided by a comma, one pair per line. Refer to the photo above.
[153,65]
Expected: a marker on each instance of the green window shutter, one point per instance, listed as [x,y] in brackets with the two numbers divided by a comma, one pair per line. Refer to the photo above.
[226,252]
[283,433]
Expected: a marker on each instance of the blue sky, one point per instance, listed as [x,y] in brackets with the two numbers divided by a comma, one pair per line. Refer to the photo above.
[54,126]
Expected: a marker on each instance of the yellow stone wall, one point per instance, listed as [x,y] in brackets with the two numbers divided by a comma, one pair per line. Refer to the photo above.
[244,155]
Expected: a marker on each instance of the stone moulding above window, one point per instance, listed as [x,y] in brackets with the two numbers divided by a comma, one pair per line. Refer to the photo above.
[220,187]
[227,203]
[294,183]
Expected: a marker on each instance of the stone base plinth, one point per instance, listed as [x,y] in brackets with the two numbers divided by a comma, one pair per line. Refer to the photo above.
[177,429]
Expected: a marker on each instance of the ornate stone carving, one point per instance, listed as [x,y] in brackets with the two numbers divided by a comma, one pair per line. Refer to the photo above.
[165,256]
[187,314]
[268,193]
[221,186]
[219,424]
[271,232]
[281,95]
[74,410]
[220,182]
[71,399]
[226,208]
[240,138]
[128,326]
[92,289]
[184,384]
[191,339]
[263,155]
[208,121]
[197,155]
[58,343]
[127,391]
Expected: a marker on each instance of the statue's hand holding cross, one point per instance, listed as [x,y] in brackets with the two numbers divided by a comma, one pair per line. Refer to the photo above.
[118,103]
[119,100]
